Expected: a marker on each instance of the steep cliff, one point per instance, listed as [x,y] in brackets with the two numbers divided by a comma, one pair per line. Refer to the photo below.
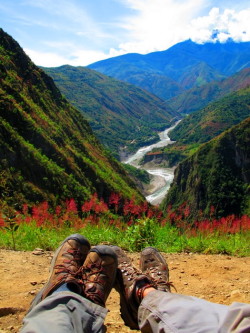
[47,149]
[217,175]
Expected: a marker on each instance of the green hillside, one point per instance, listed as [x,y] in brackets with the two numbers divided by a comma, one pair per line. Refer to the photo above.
[198,97]
[203,125]
[119,113]
[47,149]
[216,176]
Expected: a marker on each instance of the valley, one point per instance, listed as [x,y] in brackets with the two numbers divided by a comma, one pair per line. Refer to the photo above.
[161,177]
[65,130]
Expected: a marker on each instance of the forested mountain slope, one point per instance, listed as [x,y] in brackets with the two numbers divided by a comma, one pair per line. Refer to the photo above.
[198,97]
[205,124]
[215,178]
[119,113]
[47,149]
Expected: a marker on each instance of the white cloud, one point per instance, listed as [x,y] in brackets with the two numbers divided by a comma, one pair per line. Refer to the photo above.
[46,59]
[226,24]
[75,58]
[158,24]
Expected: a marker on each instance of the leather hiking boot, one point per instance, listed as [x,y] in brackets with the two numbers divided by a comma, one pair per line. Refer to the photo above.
[155,266]
[65,266]
[98,274]
[130,284]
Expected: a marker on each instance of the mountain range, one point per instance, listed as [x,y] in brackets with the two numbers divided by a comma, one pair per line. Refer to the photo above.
[49,152]
[183,66]
[120,114]
[47,149]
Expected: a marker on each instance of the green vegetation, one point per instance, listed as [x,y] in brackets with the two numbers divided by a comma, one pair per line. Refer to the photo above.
[167,238]
[216,175]
[120,114]
[197,98]
[203,125]
[47,149]
[128,225]
[139,174]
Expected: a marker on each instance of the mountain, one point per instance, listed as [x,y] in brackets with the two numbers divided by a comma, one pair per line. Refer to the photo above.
[217,176]
[47,149]
[181,67]
[119,113]
[201,126]
[198,97]
[205,124]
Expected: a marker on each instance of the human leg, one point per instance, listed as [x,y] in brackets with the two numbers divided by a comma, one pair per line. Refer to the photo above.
[162,311]
[148,304]
[81,307]
[130,283]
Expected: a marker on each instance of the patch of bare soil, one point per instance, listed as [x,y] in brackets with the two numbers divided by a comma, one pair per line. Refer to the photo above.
[216,278]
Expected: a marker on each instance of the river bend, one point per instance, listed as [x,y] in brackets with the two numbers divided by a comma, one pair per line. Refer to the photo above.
[162,177]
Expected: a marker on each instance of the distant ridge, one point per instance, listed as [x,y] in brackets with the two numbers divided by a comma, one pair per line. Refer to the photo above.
[198,97]
[181,67]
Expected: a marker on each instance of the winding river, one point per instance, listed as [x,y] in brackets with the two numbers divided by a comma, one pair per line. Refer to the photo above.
[163,177]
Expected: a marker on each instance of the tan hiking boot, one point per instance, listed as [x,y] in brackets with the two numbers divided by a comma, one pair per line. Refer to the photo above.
[155,267]
[65,266]
[130,284]
[98,274]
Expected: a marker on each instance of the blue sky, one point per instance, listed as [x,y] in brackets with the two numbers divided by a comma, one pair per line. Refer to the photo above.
[80,32]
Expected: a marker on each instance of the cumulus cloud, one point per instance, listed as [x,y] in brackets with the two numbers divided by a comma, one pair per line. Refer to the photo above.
[219,26]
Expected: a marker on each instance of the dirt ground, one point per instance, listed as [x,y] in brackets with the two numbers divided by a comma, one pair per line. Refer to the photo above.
[217,278]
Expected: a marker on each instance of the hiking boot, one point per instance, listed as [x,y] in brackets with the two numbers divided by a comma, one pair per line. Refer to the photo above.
[98,274]
[130,284]
[155,266]
[65,266]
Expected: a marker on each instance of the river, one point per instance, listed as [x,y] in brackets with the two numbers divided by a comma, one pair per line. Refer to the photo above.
[163,177]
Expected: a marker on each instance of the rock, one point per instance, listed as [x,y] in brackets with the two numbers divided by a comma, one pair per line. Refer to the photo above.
[236,293]
[33,283]
[38,252]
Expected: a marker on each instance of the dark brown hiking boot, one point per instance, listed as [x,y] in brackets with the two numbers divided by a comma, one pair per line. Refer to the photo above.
[155,266]
[65,266]
[98,274]
[129,281]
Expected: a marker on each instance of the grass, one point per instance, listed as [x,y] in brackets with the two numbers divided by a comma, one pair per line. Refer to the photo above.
[144,233]
[129,225]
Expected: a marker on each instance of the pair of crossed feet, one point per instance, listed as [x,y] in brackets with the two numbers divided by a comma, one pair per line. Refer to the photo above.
[93,272]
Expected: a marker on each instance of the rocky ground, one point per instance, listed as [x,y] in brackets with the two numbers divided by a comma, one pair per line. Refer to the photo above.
[217,278]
